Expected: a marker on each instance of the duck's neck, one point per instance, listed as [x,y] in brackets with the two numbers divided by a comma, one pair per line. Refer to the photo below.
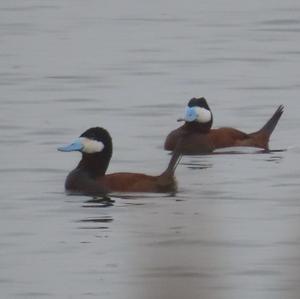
[95,164]
[198,127]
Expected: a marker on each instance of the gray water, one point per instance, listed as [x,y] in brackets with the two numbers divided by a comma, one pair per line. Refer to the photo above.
[232,230]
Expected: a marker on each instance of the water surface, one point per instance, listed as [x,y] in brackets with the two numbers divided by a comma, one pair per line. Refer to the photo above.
[232,230]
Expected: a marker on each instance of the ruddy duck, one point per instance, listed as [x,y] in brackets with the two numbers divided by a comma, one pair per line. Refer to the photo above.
[196,135]
[89,177]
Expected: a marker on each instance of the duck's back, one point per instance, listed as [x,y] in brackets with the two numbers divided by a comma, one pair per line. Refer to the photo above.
[137,182]
[226,137]
[193,142]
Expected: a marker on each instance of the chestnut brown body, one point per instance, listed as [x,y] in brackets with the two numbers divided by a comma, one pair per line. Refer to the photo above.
[138,182]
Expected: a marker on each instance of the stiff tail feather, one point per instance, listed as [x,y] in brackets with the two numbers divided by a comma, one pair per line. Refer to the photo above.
[261,137]
[269,127]
[174,161]
[167,181]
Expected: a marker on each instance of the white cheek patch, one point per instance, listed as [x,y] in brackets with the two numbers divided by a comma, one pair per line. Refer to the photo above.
[91,146]
[203,115]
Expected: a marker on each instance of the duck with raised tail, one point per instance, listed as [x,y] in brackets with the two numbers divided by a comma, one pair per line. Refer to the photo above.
[89,177]
[196,135]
